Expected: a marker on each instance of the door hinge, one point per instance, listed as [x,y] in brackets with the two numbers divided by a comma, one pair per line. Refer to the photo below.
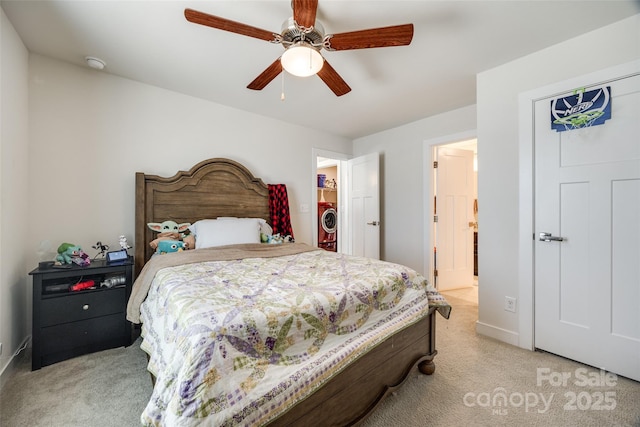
[435,273]
[435,164]
[435,218]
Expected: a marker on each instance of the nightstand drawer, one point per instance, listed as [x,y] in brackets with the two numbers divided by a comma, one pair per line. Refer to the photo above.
[86,305]
[92,334]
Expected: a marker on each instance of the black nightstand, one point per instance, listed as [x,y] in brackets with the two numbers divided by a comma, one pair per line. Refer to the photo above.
[71,323]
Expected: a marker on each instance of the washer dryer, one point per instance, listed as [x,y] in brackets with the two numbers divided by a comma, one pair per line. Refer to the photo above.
[327,226]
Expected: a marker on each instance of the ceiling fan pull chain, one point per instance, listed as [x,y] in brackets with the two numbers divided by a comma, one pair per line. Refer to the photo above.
[282,93]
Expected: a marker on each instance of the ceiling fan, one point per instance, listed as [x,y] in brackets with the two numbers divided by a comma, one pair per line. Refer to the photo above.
[303,37]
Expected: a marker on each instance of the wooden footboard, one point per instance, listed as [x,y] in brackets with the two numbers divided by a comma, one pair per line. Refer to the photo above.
[354,393]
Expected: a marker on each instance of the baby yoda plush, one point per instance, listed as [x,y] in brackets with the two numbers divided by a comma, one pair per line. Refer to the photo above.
[168,227]
[167,230]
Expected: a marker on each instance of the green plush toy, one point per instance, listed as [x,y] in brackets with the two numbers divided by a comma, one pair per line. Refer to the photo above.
[67,251]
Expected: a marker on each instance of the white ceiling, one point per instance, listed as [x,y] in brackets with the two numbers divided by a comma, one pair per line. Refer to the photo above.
[151,42]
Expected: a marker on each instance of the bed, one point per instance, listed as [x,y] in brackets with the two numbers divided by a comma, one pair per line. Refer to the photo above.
[261,334]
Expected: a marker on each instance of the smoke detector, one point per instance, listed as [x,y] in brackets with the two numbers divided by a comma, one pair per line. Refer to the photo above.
[95,63]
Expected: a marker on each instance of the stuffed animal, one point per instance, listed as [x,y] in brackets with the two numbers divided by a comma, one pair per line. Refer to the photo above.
[168,227]
[68,253]
[167,230]
[168,246]
[189,242]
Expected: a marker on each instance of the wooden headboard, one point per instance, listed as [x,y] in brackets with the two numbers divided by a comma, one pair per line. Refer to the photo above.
[212,188]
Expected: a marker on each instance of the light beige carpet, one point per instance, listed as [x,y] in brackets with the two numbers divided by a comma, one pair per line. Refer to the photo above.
[108,388]
[473,372]
[111,388]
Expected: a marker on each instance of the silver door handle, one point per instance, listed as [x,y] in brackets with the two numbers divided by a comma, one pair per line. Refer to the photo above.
[374,223]
[547,237]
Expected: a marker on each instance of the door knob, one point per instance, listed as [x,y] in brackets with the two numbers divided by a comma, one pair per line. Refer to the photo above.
[547,237]
[374,223]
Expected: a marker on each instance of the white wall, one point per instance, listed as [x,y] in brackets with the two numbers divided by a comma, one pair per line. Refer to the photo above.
[72,140]
[91,131]
[505,179]
[401,176]
[13,192]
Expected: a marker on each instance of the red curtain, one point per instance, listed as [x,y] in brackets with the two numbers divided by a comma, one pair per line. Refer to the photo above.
[279,210]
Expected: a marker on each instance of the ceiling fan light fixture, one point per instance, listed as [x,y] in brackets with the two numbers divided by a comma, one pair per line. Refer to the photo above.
[302,60]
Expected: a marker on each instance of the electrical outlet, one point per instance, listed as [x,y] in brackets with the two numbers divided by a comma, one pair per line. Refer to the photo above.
[510,304]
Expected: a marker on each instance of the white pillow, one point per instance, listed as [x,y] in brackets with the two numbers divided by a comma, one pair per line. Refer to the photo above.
[264,226]
[212,232]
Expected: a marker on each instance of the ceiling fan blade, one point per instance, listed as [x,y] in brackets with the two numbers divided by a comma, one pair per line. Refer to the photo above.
[304,12]
[332,79]
[228,25]
[397,35]
[266,76]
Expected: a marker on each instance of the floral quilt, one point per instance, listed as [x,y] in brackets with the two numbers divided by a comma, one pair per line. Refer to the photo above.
[239,342]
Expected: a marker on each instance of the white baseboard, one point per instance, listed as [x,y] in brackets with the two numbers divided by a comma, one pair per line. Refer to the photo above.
[9,369]
[500,334]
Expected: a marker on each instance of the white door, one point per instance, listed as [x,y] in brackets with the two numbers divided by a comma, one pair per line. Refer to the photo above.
[455,220]
[364,205]
[587,191]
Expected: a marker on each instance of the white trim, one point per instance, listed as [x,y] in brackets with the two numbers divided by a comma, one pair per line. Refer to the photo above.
[427,188]
[526,204]
[12,365]
[500,334]
[525,225]
[342,190]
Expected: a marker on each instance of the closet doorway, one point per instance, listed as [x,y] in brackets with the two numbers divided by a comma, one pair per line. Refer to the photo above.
[356,191]
[328,209]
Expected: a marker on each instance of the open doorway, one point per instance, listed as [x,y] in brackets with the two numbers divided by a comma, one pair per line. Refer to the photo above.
[328,209]
[454,228]
[352,190]
[327,195]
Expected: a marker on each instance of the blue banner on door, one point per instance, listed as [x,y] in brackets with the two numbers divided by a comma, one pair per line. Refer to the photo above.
[582,109]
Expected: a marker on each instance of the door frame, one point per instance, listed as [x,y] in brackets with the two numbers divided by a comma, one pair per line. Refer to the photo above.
[343,226]
[428,190]
[526,202]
